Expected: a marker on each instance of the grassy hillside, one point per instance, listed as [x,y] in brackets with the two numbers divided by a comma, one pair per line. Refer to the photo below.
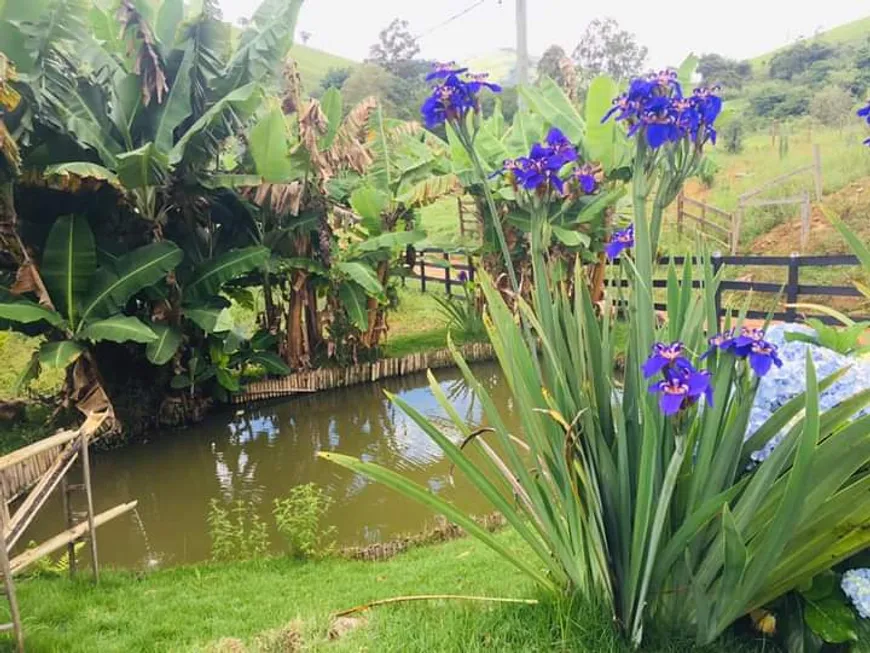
[314,64]
[857,30]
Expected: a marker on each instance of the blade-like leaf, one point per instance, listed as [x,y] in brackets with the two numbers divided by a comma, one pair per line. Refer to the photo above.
[27,312]
[551,103]
[143,167]
[600,136]
[161,350]
[113,287]
[331,105]
[170,15]
[686,71]
[413,491]
[209,319]
[27,374]
[391,240]
[85,170]
[370,202]
[119,328]
[57,355]
[68,263]
[211,276]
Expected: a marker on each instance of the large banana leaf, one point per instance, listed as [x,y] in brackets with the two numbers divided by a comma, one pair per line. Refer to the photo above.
[355,302]
[26,312]
[362,275]
[57,355]
[68,264]
[332,108]
[381,171]
[242,102]
[269,146]
[271,362]
[161,351]
[176,107]
[391,240]
[210,319]
[265,42]
[551,103]
[601,137]
[143,167]
[369,202]
[119,328]
[113,287]
[85,170]
[170,16]
[211,276]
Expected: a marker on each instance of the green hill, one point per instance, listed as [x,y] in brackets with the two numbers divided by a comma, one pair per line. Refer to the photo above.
[314,64]
[855,31]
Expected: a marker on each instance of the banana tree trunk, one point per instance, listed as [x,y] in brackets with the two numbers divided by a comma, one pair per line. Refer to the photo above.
[296,352]
[377,313]
[313,319]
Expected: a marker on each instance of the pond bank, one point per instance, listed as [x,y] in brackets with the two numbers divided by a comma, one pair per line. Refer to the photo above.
[272,604]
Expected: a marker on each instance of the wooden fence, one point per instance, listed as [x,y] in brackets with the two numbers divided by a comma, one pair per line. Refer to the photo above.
[433,266]
[716,225]
[342,377]
[469,219]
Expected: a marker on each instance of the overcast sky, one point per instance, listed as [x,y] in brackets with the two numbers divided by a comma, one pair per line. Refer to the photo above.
[669,28]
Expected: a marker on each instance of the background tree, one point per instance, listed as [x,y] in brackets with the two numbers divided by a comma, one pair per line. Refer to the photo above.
[368,80]
[832,106]
[557,65]
[730,73]
[335,78]
[395,46]
[607,49]
[304,36]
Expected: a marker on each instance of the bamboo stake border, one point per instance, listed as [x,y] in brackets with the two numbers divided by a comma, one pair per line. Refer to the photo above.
[309,381]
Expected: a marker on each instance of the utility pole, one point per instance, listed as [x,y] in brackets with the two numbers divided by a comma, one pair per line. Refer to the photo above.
[522,44]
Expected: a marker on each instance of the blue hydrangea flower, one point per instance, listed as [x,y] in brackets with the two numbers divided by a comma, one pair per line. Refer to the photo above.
[455,94]
[681,388]
[665,356]
[856,585]
[782,384]
[620,241]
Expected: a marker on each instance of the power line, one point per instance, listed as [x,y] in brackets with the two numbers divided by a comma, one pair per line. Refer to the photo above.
[449,20]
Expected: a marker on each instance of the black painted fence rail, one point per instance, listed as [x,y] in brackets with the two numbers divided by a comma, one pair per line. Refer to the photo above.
[432,265]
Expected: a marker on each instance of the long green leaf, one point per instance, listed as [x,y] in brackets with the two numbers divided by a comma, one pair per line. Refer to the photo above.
[362,274]
[27,312]
[119,328]
[332,109]
[271,362]
[68,263]
[113,287]
[269,146]
[143,167]
[551,103]
[413,491]
[176,106]
[209,278]
[161,351]
[85,170]
[57,355]
[355,302]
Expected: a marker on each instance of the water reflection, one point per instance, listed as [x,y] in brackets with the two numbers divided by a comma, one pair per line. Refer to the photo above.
[259,453]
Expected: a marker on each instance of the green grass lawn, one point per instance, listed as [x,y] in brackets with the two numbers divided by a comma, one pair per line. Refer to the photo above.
[417,324]
[440,221]
[251,606]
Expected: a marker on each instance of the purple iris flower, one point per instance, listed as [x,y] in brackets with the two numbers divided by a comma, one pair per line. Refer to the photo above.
[562,150]
[445,70]
[682,388]
[720,342]
[620,241]
[742,344]
[453,96]
[665,356]
[463,276]
[865,114]
[587,178]
[762,356]
[655,105]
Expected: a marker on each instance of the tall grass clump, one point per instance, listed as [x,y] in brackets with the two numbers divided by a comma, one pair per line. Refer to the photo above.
[637,491]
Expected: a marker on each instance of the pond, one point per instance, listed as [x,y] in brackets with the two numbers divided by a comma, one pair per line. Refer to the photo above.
[259,453]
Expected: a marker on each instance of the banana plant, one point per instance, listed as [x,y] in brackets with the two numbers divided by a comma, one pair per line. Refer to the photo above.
[78,302]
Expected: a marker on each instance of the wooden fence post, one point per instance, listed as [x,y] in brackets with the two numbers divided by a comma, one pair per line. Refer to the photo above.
[791,289]
[470,268]
[805,221]
[9,586]
[717,265]
[447,273]
[680,206]
[422,257]
[817,171]
[89,494]
[736,226]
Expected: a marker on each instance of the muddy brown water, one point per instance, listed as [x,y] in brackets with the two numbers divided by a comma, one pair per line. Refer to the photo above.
[259,454]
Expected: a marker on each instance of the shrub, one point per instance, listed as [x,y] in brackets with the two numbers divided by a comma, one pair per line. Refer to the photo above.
[832,106]
[236,531]
[298,519]
[732,136]
[463,315]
